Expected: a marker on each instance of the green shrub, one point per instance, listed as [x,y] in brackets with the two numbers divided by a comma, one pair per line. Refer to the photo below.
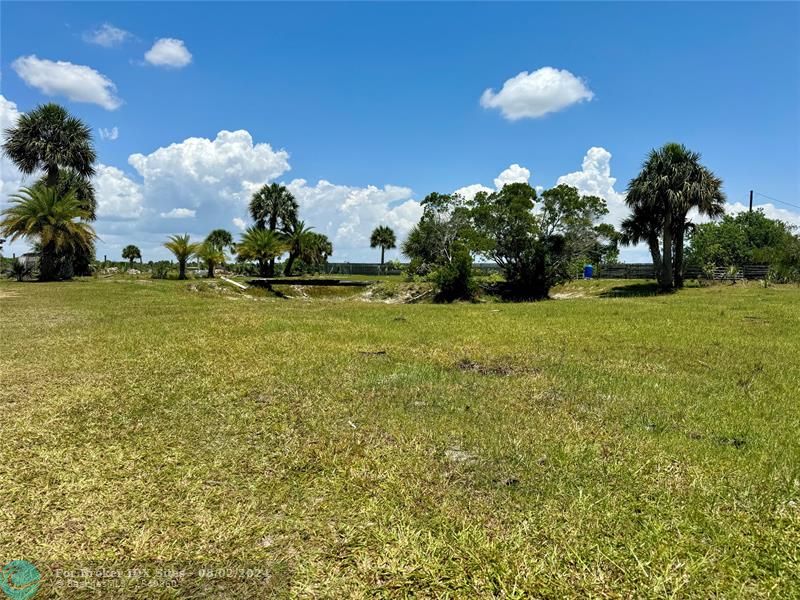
[455,280]
[160,270]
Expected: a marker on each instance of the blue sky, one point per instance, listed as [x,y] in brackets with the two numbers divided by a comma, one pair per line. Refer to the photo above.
[382,102]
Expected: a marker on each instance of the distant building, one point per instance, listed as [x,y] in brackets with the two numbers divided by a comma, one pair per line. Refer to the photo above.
[29,259]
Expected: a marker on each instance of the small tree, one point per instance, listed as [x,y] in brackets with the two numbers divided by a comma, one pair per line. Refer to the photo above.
[212,255]
[131,253]
[56,223]
[183,249]
[262,246]
[384,238]
[297,238]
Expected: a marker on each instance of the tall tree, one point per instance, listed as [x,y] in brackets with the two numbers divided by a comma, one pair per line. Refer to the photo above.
[131,253]
[271,206]
[296,237]
[48,138]
[183,249]
[262,246]
[57,224]
[384,238]
[671,183]
[316,250]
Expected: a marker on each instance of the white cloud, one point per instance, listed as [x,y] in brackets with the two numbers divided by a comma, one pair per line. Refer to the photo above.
[107,36]
[770,210]
[199,171]
[468,192]
[79,83]
[594,179]
[11,179]
[348,214]
[535,94]
[109,134]
[118,197]
[513,174]
[239,223]
[169,52]
[179,213]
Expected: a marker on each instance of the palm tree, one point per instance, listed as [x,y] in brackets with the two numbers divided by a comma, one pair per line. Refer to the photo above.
[262,246]
[672,182]
[384,237]
[643,226]
[273,205]
[56,223]
[48,138]
[212,255]
[69,180]
[316,250]
[221,238]
[183,249]
[131,252]
[297,238]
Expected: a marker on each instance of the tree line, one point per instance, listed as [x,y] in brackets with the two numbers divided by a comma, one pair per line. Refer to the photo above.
[536,239]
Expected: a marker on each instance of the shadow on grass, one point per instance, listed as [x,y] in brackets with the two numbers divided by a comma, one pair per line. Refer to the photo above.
[633,290]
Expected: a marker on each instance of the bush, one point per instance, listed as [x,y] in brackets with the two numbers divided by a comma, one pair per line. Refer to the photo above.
[455,280]
[18,271]
[160,269]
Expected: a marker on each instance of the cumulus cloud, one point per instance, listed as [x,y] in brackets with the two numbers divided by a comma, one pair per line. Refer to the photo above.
[11,179]
[348,214]
[179,213]
[594,179]
[169,52]
[118,196]
[469,192]
[535,94]
[239,223]
[107,36]
[109,134]
[79,83]
[513,174]
[199,172]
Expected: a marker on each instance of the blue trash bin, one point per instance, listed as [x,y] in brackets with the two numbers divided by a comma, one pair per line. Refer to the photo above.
[588,271]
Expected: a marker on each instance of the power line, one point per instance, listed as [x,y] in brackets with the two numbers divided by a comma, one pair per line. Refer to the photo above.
[775,200]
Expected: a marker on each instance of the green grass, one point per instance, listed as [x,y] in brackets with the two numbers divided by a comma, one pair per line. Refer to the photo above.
[629,446]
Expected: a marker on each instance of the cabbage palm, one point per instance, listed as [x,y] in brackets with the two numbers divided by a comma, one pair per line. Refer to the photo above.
[56,223]
[384,238]
[131,253]
[271,206]
[212,255]
[221,238]
[48,138]
[317,249]
[672,182]
[297,238]
[183,249]
[262,246]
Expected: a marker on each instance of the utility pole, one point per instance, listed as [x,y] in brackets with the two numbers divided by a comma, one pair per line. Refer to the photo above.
[751,200]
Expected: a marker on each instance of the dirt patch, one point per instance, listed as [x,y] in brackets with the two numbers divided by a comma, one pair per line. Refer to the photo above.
[567,295]
[499,368]
[7,294]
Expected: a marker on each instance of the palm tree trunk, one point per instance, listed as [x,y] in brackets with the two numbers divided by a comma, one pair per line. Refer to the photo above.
[667,281]
[181,269]
[48,264]
[382,251]
[679,234]
[287,271]
[210,270]
[52,175]
[655,254]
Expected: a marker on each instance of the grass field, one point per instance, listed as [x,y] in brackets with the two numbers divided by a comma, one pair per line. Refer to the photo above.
[592,446]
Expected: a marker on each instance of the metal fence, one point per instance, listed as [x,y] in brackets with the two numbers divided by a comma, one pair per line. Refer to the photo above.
[647,271]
